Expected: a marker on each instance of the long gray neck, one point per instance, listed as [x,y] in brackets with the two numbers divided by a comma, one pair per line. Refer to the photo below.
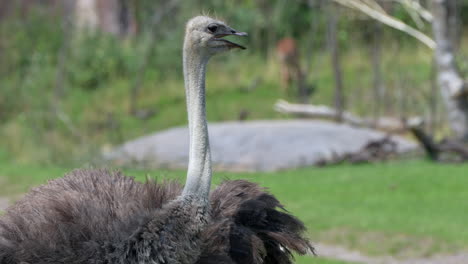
[199,167]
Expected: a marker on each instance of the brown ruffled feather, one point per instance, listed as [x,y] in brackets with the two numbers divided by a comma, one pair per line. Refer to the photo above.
[80,217]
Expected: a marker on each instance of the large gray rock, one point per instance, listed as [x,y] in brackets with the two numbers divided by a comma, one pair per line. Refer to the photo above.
[253,146]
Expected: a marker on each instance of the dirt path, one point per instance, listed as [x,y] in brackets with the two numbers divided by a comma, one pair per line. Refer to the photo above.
[340,253]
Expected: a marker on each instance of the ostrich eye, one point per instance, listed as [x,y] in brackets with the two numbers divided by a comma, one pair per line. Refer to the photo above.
[212,28]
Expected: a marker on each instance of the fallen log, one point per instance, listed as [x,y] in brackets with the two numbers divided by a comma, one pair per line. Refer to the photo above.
[316,111]
[388,124]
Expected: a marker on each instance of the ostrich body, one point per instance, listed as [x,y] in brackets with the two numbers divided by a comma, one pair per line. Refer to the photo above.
[98,216]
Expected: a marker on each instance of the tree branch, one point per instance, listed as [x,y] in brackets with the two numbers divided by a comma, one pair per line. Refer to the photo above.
[384,18]
[326,112]
[316,111]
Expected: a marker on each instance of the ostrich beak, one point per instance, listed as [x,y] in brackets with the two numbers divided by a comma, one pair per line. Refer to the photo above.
[231,32]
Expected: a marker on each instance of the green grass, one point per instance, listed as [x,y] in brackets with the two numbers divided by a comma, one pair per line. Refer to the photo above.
[405,208]
[309,260]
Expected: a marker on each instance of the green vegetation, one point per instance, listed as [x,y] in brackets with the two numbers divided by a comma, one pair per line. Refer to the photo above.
[406,208]
[67,116]
[98,118]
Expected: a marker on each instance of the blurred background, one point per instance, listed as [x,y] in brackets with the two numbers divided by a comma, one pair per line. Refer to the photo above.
[78,78]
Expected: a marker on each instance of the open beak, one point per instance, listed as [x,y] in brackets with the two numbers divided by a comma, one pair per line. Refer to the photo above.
[228,43]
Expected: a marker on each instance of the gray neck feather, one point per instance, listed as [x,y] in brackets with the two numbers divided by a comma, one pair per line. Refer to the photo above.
[199,167]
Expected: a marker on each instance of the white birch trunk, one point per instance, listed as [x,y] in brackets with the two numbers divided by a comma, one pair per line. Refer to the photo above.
[451,84]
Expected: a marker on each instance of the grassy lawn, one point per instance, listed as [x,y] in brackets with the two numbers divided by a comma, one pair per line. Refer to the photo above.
[405,208]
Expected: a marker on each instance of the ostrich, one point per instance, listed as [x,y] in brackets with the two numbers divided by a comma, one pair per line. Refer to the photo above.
[99,216]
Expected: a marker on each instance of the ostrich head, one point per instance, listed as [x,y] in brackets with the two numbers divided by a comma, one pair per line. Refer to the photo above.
[204,35]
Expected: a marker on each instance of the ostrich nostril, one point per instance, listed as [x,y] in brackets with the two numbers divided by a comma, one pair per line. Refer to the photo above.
[233,31]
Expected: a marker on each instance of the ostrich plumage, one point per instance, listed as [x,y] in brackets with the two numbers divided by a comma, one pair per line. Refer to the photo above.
[100,216]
